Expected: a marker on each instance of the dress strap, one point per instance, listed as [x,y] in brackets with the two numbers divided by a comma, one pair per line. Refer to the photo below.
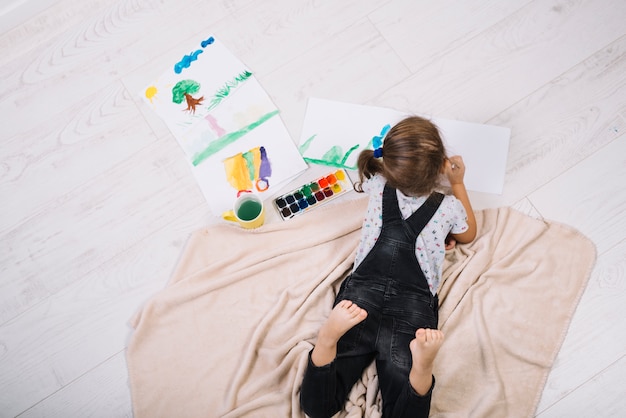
[418,220]
[424,213]
[391,210]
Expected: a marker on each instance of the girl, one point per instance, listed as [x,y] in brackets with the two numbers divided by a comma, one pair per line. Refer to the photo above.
[386,310]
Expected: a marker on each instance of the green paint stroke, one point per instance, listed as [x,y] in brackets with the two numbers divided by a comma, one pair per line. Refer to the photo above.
[229,138]
[328,163]
[224,91]
[249,157]
[304,147]
[334,157]
[347,155]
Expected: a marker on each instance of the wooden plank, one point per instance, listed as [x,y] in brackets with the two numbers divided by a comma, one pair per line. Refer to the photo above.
[602,396]
[364,66]
[74,330]
[510,60]
[280,31]
[102,392]
[579,196]
[50,159]
[74,234]
[106,44]
[423,31]
[562,123]
[34,22]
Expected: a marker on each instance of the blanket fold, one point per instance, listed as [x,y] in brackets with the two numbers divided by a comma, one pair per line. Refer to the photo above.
[230,334]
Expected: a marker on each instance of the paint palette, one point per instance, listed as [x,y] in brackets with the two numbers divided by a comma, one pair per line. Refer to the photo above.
[313,194]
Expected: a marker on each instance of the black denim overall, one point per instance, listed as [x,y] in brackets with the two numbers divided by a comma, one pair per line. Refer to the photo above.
[390,285]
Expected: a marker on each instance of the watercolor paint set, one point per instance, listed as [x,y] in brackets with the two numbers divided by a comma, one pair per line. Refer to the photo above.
[313,194]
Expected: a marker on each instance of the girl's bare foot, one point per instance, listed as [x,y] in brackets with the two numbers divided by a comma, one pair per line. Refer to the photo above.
[424,349]
[342,318]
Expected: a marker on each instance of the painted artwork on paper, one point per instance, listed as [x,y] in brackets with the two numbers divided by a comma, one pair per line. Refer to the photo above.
[335,156]
[245,110]
[249,171]
[334,133]
[258,161]
[220,115]
[195,84]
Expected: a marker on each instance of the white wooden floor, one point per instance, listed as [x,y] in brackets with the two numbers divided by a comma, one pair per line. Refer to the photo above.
[96,199]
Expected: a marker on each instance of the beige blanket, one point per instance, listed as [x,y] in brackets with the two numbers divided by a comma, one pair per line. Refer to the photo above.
[229,336]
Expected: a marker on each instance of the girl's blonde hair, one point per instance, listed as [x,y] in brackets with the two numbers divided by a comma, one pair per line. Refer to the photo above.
[412,160]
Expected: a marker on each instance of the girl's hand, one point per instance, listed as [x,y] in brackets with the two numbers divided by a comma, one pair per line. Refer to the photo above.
[455,170]
[450,242]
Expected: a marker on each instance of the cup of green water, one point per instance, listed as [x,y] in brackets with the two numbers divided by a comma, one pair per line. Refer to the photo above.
[248,211]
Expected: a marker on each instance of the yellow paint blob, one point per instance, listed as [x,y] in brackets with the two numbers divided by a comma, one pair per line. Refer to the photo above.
[237,172]
[243,170]
[151,92]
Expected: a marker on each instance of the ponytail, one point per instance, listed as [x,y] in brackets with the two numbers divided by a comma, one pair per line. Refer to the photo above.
[368,165]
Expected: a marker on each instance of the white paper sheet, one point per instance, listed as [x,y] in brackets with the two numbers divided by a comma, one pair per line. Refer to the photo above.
[217,110]
[331,129]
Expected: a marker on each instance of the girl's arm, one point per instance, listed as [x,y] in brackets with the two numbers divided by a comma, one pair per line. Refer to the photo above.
[455,171]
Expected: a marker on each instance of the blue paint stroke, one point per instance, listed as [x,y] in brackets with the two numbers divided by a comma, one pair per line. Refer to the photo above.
[208,42]
[186,61]
[377,141]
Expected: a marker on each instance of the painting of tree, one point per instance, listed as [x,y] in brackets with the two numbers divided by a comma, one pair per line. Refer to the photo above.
[183,90]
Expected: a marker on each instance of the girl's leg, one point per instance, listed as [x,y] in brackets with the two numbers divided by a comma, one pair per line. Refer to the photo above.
[342,318]
[414,389]
[329,378]
[424,349]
